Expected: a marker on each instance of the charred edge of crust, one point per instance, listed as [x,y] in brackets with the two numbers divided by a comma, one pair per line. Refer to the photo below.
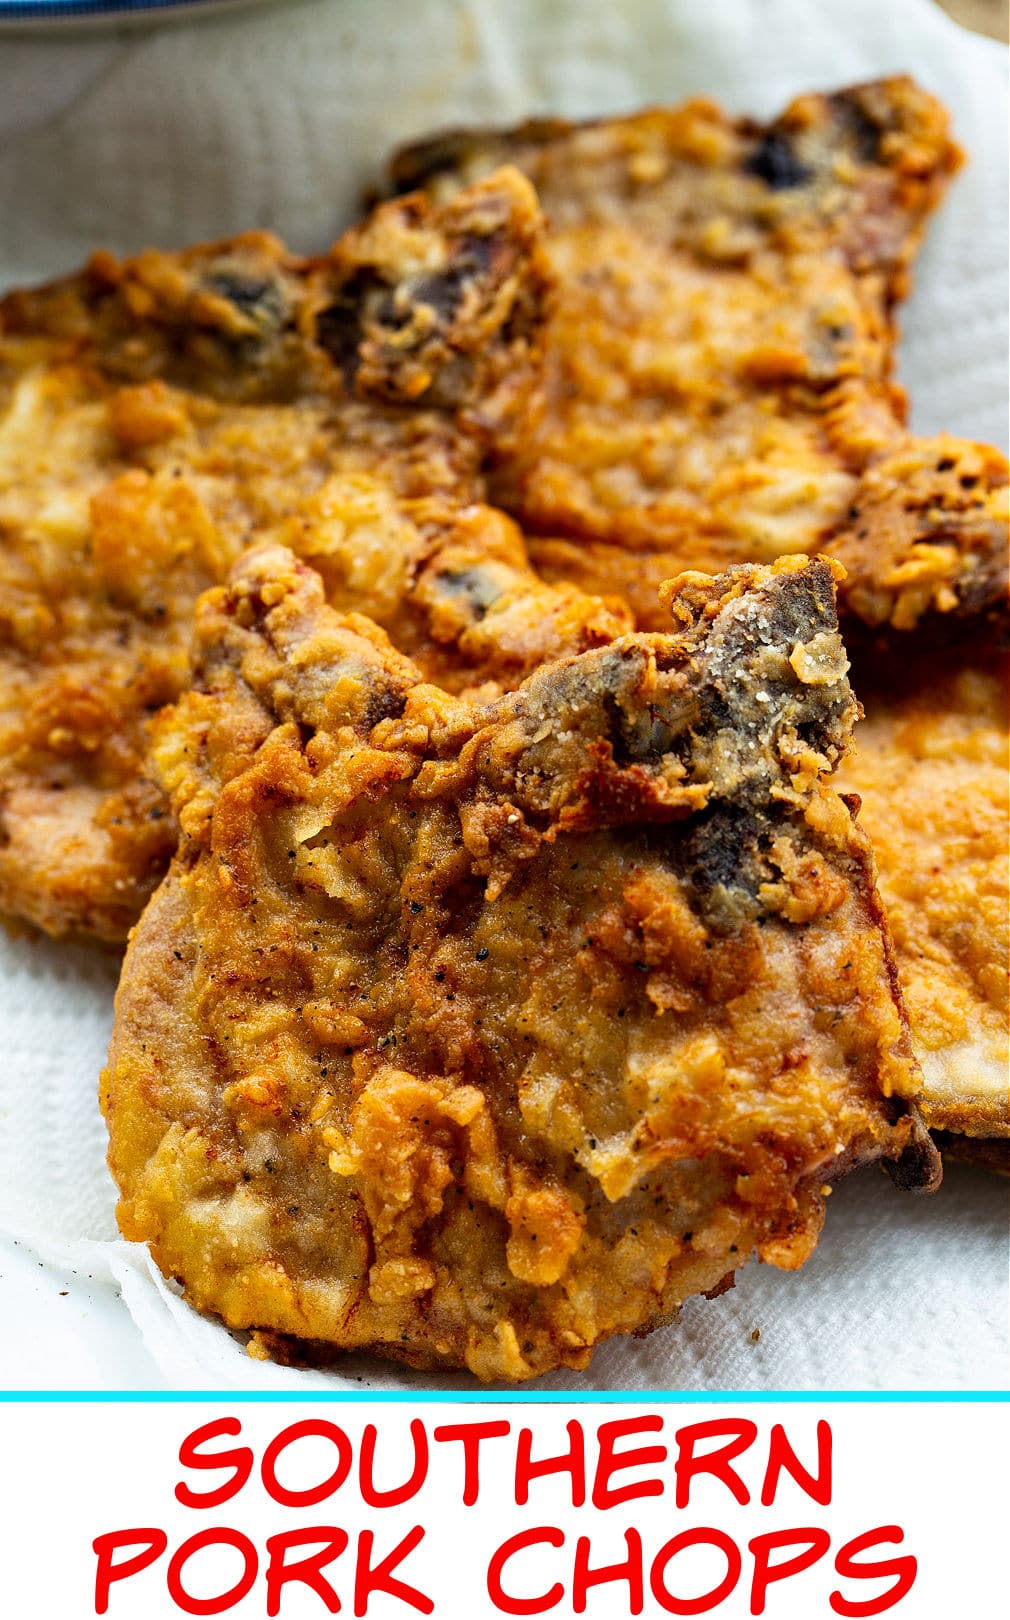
[417,299]
[918,1167]
[726,704]
[415,166]
[774,160]
[860,116]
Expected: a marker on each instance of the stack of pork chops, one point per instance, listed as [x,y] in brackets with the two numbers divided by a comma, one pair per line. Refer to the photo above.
[444,659]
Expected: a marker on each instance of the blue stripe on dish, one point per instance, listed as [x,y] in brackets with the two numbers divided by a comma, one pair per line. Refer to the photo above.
[84,8]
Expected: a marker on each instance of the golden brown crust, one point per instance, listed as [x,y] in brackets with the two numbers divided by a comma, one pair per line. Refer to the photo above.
[924,543]
[474,1034]
[930,765]
[159,413]
[719,352]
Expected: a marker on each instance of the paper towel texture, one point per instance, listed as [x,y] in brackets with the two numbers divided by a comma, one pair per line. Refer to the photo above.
[279,118]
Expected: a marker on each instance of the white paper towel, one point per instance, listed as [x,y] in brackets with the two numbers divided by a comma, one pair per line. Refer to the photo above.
[279,118]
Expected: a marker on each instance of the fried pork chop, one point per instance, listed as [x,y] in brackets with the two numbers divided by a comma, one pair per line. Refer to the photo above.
[473,1034]
[719,353]
[930,765]
[159,414]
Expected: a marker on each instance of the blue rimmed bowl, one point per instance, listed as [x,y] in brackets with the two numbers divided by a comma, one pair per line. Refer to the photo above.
[21,15]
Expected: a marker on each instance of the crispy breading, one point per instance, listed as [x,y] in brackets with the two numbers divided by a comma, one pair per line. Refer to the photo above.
[930,763]
[719,380]
[157,415]
[473,1034]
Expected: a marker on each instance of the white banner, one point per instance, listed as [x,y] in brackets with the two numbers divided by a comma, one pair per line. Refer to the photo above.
[467,1511]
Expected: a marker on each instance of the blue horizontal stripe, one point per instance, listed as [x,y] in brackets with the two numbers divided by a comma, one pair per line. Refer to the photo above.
[85,8]
[722,1397]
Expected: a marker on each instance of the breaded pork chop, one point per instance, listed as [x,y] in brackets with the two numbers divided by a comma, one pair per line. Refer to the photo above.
[719,353]
[930,763]
[475,1034]
[157,415]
